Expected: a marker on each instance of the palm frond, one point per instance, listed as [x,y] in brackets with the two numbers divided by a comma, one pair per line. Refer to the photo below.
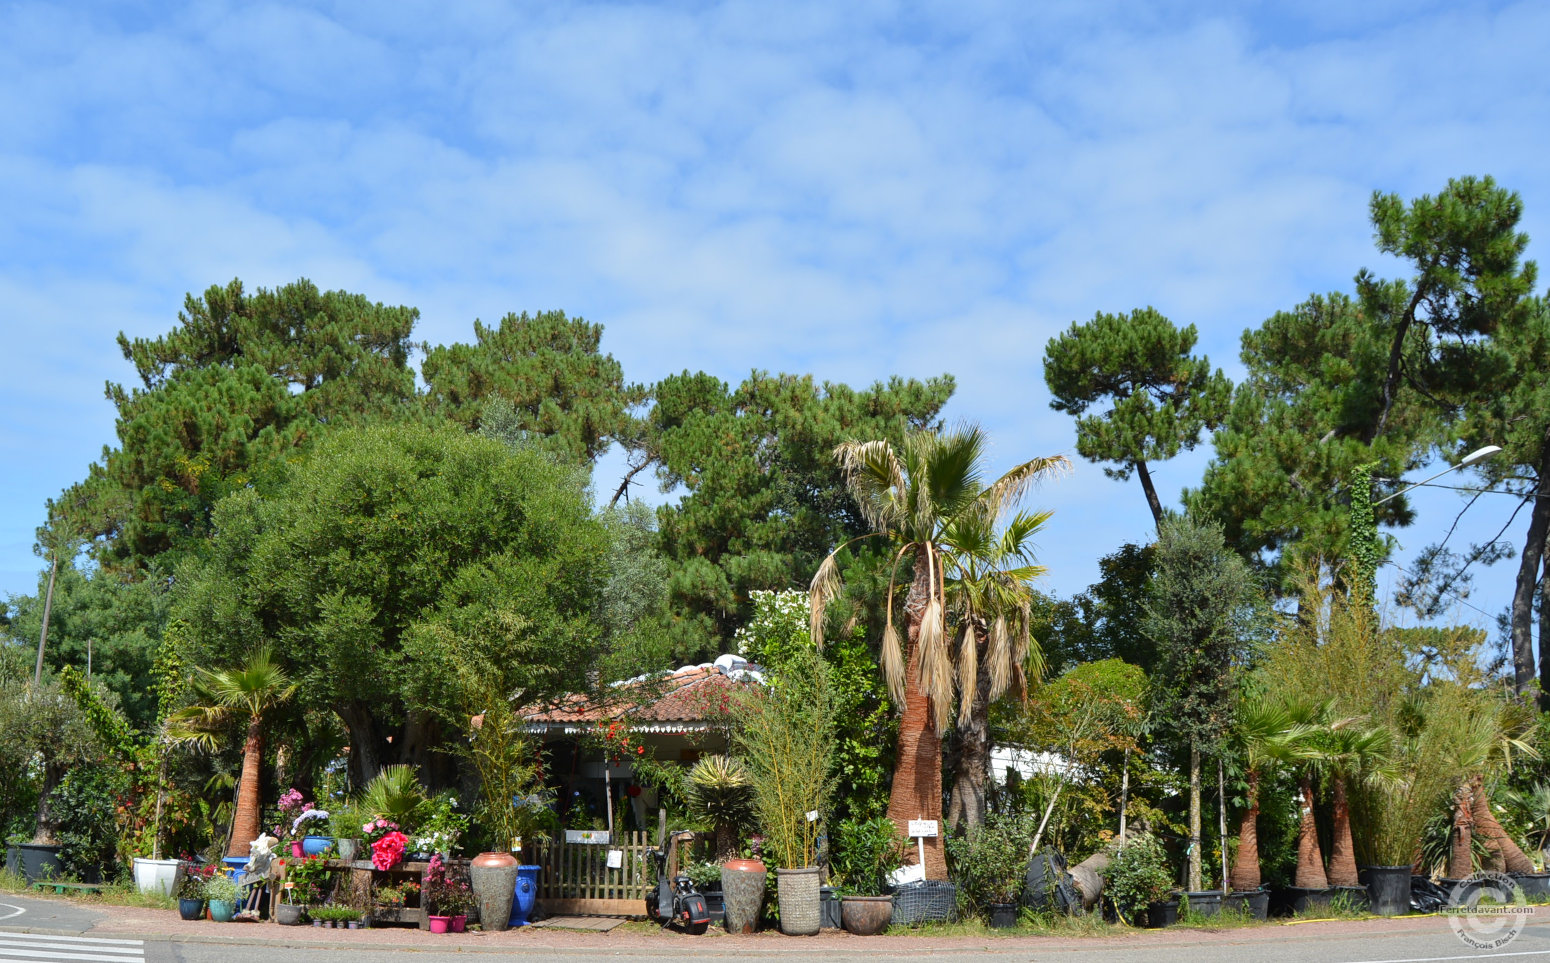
[998,657]
[825,586]
[1010,488]
[968,672]
[876,478]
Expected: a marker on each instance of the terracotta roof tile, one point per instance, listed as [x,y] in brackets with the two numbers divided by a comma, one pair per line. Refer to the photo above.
[690,696]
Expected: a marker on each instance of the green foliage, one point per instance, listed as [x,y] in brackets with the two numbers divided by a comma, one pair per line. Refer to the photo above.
[1104,621]
[222,888]
[556,387]
[1161,396]
[398,568]
[1204,616]
[395,794]
[765,499]
[311,878]
[785,735]
[717,789]
[866,853]
[237,387]
[1365,555]
[990,861]
[1137,876]
[86,821]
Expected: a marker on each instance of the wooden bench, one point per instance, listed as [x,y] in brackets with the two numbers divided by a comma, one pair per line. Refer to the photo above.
[62,888]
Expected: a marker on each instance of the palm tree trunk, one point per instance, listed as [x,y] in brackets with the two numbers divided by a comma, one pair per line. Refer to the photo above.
[1342,852]
[1503,847]
[1461,861]
[244,826]
[1245,869]
[1530,563]
[971,770]
[917,775]
[1310,859]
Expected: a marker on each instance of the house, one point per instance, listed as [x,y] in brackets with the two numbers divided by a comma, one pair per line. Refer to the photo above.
[674,717]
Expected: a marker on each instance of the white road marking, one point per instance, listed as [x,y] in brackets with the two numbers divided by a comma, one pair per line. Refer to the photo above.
[14,910]
[1476,956]
[38,948]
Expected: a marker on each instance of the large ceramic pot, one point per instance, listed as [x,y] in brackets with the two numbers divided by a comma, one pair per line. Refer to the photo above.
[222,910]
[316,845]
[288,914]
[191,909]
[158,875]
[797,890]
[866,915]
[40,861]
[742,890]
[494,879]
[348,848]
[524,895]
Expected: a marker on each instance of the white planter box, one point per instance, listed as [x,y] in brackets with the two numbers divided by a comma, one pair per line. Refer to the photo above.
[158,875]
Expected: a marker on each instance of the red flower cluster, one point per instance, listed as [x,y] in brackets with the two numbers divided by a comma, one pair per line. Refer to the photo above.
[387,851]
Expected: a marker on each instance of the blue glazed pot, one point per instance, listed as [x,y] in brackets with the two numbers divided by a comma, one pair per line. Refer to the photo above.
[316,845]
[221,911]
[191,909]
[524,895]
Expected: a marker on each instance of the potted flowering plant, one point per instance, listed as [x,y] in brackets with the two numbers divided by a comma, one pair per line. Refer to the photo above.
[310,827]
[386,842]
[291,805]
[191,892]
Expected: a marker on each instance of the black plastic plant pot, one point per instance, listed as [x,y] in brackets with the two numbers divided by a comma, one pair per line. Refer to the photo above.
[828,908]
[1257,902]
[1388,889]
[1352,897]
[1205,902]
[1533,884]
[39,861]
[1306,900]
[1458,890]
[1003,916]
[1164,913]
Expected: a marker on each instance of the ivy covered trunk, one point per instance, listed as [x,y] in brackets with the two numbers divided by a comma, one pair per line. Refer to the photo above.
[917,776]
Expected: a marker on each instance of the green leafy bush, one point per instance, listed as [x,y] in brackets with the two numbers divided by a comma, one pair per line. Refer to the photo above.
[990,861]
[866,852]
[221,887]
[85,819]
[1138,876]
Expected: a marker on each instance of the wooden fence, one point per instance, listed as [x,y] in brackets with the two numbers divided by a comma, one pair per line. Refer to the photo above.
[577,881]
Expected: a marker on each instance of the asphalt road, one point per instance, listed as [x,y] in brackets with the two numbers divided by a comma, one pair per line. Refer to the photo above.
[61,936]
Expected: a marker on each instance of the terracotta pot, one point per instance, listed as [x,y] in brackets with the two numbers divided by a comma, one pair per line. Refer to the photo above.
[494,878]
[866,915]
[742,892]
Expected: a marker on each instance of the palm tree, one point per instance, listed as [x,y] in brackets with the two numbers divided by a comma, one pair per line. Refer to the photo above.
[909,495]
[246,695]
[1353,755]
[989,596]
[1313,751]
[1264,736]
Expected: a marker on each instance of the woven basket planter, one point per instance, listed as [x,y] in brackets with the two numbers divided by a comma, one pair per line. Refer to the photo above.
[800,913]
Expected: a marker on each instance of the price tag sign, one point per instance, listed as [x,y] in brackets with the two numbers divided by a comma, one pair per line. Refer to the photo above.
[922,827]
[812,815]
[616,859]
[588,837]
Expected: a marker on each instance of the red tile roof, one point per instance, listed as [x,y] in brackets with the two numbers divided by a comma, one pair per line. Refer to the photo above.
[696,695]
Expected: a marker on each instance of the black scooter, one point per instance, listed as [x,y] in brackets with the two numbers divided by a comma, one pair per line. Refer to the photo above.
[674,900]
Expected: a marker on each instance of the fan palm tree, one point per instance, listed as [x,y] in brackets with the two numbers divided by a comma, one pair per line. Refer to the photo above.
[1353,754]
[246,695]
[1312,753]
[989,596]
[1264,737]
[910,495]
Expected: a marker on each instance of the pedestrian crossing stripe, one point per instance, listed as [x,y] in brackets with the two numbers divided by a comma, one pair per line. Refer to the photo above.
[40,948]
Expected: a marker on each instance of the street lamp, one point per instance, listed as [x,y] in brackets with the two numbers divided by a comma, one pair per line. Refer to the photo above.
[1478,455]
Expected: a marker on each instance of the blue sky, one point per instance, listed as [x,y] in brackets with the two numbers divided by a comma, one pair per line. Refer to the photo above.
[853,190]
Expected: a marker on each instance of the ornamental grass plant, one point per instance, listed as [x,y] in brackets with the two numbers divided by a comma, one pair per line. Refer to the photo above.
[785,736]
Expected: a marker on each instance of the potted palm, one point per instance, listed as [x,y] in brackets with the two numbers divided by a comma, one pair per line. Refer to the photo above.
[1263,739]
[785,734]
[867,852]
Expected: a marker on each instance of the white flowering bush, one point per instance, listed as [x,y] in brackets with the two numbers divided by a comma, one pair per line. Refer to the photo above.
[778,628]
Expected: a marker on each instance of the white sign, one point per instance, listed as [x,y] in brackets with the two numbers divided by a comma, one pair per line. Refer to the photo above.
[812,815]
[588,837]
[616,859]
[922,827]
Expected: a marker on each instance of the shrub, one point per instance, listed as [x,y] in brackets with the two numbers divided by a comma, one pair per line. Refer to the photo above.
[718,790]
[991,860]
[866,853]
[1138,876]
[85,819]
[221,887]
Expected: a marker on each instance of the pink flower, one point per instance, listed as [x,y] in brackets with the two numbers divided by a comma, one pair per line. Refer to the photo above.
[365,827]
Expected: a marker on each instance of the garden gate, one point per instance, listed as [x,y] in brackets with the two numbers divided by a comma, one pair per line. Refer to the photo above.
[577,881]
